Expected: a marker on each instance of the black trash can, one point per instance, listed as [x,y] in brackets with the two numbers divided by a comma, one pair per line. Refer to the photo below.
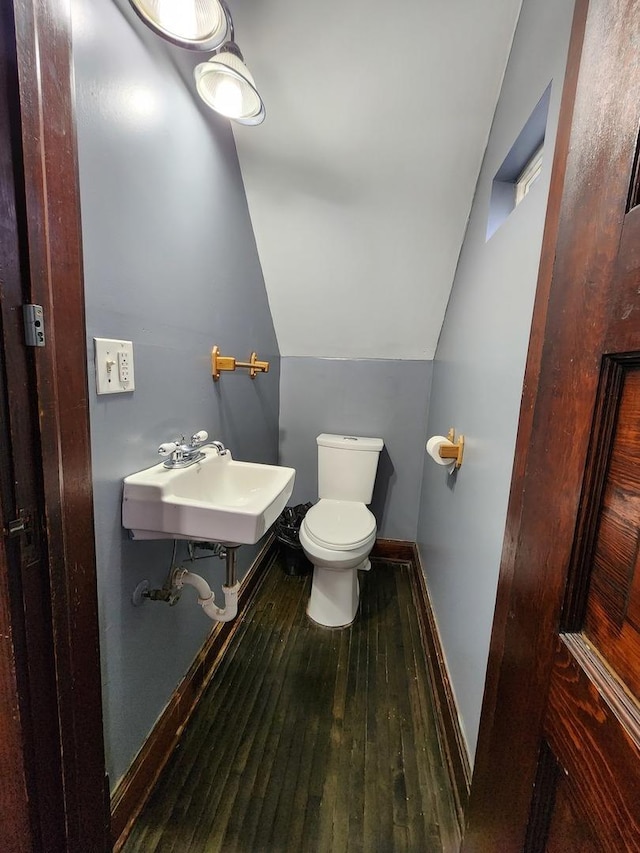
[287,530]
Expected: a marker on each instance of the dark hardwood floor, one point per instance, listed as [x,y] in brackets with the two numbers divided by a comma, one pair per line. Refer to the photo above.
[310,739]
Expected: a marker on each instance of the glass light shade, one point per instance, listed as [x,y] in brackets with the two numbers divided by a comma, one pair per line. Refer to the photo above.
[225,84]
[195,24]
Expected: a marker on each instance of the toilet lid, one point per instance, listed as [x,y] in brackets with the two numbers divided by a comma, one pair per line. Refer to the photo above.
[339,525]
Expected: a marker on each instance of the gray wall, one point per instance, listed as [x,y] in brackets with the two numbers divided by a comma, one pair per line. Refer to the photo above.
[171,264]
[479,369]
[372,397]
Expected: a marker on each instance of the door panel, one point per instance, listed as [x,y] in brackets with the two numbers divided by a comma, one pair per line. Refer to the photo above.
[592,729]
[613,599]
[569,830]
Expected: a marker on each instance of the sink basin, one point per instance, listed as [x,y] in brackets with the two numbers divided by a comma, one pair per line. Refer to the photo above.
[217,500]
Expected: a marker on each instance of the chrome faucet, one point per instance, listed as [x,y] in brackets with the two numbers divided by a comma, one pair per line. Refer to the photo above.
[180,454]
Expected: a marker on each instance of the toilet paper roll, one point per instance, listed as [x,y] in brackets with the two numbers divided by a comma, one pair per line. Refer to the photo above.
[433,449]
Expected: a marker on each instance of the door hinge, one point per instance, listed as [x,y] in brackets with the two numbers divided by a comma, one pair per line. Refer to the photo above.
[33,317]
[19,525]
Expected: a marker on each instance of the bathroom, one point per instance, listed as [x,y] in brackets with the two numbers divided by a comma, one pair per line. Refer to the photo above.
[311,244]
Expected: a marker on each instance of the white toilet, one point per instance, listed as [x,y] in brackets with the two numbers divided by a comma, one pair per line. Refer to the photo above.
[337,534]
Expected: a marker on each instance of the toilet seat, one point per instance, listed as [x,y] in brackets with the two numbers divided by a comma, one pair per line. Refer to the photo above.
[339,525]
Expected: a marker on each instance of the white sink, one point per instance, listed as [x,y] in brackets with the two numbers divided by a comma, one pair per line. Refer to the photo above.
[217,499]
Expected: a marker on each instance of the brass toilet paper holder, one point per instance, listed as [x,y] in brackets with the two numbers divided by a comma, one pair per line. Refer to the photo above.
[456,452]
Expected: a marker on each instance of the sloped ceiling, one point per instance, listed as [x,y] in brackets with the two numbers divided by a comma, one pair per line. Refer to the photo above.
[360,181]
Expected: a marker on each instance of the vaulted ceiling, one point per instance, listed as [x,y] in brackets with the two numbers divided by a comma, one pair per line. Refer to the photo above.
[360,181]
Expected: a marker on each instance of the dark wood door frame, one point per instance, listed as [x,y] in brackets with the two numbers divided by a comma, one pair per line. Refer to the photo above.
[16,814]
[26,585]
[46,179]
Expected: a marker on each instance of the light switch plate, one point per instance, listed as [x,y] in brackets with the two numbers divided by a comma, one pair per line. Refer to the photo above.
[114,366]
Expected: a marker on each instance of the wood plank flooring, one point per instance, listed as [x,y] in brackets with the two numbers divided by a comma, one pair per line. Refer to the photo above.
[309,739]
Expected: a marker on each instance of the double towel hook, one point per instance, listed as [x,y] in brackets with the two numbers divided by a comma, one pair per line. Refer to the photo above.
[226,362]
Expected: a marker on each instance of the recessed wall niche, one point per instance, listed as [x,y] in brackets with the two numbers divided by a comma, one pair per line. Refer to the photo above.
[522,154]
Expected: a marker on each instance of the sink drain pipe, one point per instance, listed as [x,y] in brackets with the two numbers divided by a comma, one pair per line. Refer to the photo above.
[206,599]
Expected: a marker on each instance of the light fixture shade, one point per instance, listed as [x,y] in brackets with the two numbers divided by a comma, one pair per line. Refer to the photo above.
[226,85]
[194,24]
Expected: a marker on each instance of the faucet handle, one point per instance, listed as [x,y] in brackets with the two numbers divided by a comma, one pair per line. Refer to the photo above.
[167,448]
[199,437]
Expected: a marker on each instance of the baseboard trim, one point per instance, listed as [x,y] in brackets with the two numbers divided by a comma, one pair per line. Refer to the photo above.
[452,742]
[136,785]
[394,550]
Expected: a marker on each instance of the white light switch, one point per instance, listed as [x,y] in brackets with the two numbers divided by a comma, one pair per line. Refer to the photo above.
[114,366]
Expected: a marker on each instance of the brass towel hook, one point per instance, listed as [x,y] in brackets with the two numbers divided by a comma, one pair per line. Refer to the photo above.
[226,362]
[456,452]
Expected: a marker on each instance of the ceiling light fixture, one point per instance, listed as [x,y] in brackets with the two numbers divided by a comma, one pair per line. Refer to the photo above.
[226,85]
[194,24]
[224,82]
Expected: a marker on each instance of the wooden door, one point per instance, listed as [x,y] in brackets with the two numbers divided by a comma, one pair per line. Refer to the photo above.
[558,764]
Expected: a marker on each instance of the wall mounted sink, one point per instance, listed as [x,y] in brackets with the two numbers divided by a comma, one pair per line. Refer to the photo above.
[217,499]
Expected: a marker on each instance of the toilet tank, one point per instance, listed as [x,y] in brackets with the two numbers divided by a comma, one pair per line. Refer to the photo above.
[347,467]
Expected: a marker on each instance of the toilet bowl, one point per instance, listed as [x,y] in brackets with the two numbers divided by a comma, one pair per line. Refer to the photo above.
[338,533]
[337,537]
